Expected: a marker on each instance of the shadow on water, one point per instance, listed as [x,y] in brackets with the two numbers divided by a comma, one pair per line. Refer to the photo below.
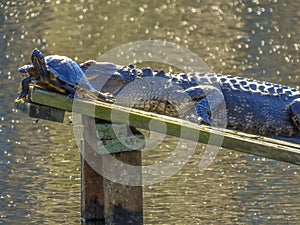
[39,161]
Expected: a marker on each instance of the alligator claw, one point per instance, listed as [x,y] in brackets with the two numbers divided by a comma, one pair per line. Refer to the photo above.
[106,97]
[206,121]
[199,120]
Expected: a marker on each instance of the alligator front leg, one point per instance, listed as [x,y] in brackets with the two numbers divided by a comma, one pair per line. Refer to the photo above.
[212,109]
[295,112]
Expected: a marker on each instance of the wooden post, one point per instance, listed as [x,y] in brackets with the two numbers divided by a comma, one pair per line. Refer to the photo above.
[124,203]
[92,192]
[102,198]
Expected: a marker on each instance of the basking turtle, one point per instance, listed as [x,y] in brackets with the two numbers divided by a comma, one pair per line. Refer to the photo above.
[57,73]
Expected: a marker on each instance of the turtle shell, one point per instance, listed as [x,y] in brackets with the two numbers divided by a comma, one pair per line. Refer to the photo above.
[67,71]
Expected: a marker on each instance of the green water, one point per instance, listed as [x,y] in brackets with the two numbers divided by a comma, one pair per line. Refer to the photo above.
[39,161]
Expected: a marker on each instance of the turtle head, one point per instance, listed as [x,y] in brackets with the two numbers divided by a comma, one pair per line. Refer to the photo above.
[39,63]
[27,69]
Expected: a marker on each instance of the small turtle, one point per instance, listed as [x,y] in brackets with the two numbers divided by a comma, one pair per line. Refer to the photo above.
[57,73]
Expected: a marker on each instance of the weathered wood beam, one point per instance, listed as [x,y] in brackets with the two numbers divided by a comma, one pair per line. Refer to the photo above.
[252,144]
[40,111]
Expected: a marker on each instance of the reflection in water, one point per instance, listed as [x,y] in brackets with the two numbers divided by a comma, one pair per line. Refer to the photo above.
[271,40]
[39,162]
[236,189]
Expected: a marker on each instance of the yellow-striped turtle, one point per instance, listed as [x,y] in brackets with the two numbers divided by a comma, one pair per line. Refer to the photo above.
[57,73]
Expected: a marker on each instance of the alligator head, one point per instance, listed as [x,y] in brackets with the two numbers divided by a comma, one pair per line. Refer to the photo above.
[103,76]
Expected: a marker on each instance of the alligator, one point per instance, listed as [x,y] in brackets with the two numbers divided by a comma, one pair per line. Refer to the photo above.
[251,106]
[237,103]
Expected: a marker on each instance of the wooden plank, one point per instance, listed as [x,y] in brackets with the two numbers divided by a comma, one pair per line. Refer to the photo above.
[252,144]
[41,111]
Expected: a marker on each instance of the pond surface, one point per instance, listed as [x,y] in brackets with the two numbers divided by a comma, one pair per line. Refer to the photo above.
[39,160]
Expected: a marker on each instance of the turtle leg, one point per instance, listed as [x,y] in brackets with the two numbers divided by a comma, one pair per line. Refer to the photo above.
[63,88]
[295,112]
[70,90]
[25,86]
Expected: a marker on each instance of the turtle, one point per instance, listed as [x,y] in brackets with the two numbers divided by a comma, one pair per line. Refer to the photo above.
[58,73]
